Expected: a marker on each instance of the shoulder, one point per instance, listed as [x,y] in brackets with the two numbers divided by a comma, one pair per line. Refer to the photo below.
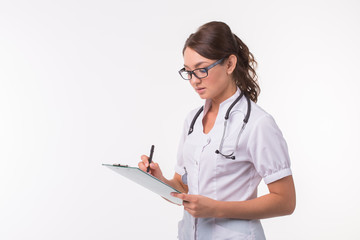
[261,122]
[259,115]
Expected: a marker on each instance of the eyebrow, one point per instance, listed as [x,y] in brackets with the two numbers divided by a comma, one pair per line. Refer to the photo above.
[196,65]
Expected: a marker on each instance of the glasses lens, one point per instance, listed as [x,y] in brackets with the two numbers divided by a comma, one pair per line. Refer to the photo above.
[185,74]
[201,72]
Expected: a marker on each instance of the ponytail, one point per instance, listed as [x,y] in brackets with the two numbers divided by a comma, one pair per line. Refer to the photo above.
[244,74]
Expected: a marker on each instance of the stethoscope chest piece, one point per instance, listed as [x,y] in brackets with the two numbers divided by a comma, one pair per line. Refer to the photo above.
[229,156]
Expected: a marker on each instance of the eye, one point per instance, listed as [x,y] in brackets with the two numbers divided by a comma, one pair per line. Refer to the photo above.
[202,70]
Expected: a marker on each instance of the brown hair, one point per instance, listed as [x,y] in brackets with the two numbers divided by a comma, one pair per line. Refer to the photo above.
[214,40]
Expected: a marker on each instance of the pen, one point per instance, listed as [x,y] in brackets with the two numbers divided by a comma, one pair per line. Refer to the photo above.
[150,158]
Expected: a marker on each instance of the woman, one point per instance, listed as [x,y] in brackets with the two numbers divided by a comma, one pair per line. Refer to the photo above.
[228,146]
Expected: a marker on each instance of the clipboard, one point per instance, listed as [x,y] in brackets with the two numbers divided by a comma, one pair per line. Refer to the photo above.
[146,180]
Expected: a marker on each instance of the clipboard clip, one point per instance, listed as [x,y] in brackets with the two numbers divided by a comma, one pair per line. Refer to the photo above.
[120,165]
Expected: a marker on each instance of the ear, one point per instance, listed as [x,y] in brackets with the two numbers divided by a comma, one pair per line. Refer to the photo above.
[231,64]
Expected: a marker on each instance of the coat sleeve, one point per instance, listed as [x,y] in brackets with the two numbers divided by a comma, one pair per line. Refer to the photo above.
[268,150]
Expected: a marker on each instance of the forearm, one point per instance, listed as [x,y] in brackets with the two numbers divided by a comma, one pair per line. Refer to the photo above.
[280,201]
[270,205]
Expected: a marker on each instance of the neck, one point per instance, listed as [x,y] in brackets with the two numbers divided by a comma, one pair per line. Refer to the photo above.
[215,102]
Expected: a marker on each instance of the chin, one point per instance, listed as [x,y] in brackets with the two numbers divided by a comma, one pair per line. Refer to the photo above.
[203,96]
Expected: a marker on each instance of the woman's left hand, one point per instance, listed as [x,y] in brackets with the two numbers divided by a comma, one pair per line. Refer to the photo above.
[198,206]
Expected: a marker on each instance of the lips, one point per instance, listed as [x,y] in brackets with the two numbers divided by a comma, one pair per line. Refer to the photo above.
[199,90]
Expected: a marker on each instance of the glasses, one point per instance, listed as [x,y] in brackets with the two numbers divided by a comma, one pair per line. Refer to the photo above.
[199,72]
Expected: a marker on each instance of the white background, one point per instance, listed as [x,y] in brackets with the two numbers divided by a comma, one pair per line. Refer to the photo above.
[89,82]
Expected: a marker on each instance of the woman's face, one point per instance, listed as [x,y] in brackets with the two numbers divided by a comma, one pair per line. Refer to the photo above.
[218,85]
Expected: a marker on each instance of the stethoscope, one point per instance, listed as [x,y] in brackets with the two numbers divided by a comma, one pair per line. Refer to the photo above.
[246,119]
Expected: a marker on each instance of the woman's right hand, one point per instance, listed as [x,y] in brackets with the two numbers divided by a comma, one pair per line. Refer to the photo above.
[154,167]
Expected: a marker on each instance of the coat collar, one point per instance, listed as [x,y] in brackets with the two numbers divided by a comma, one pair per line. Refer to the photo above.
[224,105]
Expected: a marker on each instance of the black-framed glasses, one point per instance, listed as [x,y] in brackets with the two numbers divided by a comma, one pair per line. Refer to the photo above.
[199,72]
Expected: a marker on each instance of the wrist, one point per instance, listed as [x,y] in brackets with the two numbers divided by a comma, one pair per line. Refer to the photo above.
[163,179]
[217,209]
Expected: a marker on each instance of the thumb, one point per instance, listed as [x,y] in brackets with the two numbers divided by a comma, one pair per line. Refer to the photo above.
[154,165]
[182,196]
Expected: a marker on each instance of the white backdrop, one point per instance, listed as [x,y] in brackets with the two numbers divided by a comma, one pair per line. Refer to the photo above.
[89,82]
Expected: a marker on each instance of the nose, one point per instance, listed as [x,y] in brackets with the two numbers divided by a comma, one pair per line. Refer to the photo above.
[194,79]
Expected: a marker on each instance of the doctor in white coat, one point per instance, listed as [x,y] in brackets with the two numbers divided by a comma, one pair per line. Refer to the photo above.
[228,145]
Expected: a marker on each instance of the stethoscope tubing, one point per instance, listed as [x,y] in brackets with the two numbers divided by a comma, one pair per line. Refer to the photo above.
[245,121]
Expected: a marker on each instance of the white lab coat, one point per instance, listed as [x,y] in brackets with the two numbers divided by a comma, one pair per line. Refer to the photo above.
[260,154]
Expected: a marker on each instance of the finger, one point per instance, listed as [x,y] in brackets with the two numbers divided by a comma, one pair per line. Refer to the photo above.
[182,196]
[177,195]
[187,205]
[145,160]
[141,165]
[154,165]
